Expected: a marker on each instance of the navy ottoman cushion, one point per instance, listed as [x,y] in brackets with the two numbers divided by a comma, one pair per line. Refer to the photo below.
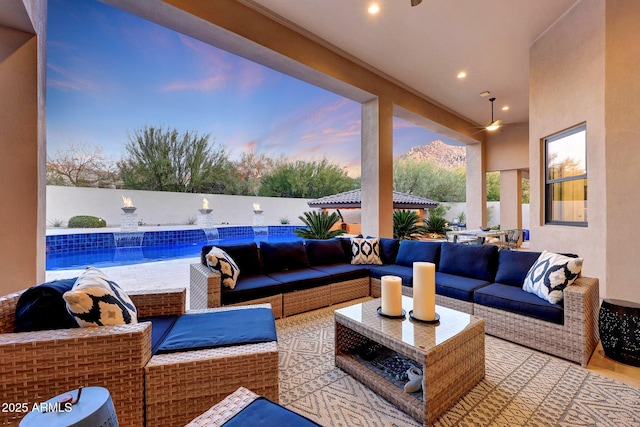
[457,287]
[516,300]
[263,412]
[199,331]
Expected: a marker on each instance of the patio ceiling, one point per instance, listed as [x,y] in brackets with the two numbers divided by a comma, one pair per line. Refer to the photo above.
[352,200]
[424,47]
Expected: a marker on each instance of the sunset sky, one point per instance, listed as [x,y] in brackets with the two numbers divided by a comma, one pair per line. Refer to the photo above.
[110,73]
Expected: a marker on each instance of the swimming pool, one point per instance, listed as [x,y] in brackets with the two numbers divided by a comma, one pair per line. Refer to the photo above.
[107,249]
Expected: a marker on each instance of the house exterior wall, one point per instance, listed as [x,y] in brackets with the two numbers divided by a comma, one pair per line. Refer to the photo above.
[622,148]
[566,88]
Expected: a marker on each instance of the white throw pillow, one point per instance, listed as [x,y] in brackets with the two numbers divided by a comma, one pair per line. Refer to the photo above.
[221,262]
[550,274]
[96,300]
[365,250]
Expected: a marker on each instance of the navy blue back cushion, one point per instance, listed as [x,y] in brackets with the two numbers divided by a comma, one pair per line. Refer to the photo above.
[245,255]
[513,266]
[323,252]
[283,256]
[475,261]
[388,250]
[411,251]
[42,307]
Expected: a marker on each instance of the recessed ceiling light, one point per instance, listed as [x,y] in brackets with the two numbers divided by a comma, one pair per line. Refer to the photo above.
[373,8]
[462,74]
[505,108]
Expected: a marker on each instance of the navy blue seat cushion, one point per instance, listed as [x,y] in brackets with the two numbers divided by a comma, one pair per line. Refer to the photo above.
[515,300]
[477,262]
[513,266]
[411,251]
[458,287]
[388,250]
[42,307]
[297,280]
[406,273]
[264,413]
[283,256]
[251,287]
[198,331]
[245,255]
[342,271]
[324,252]
[160,327]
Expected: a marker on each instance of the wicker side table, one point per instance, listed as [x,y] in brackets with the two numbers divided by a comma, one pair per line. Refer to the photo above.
[619,325]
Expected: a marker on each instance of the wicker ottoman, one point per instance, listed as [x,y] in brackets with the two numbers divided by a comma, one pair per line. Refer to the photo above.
[240,400]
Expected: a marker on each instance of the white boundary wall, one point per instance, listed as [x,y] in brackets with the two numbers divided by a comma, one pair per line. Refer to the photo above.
[159,207]
[166,208]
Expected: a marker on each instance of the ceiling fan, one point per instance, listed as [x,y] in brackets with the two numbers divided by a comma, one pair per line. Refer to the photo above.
[494,124]
[415,2]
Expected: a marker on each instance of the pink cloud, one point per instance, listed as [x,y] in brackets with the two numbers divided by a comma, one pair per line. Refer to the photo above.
[68,80]
[206,85]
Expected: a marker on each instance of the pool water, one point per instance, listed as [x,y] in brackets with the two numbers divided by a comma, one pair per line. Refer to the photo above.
[109,257]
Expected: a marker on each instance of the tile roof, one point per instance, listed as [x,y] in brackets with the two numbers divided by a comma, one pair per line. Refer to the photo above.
[352,199]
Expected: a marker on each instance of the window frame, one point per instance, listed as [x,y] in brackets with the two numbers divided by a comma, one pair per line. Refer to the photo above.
[548,183]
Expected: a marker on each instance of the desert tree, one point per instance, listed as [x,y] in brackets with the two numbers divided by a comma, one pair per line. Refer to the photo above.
[80,165]
[163,159]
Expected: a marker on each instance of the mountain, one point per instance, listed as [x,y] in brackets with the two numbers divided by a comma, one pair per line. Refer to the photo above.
[447,156]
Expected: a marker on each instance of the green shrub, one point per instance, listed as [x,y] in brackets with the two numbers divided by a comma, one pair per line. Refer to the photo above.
[436,225]
[319,225]
[86,221]
[405,225]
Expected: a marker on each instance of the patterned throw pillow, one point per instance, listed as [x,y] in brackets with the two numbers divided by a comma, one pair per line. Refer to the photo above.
[221,262]
[550,274]
[365,250]
[96,300]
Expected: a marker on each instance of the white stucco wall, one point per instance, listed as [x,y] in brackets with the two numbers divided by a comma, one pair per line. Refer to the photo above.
[155,207]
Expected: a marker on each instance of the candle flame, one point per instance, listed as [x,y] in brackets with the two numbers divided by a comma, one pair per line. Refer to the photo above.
[256,206]
[127,202]
[205,204]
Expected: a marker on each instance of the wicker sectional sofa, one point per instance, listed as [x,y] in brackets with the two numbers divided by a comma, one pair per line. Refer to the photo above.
[479,280]
[146,389]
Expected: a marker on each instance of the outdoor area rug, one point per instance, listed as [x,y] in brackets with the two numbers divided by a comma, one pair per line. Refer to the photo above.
[522,387]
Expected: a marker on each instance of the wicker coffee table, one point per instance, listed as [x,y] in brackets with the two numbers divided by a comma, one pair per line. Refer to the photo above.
[451,354]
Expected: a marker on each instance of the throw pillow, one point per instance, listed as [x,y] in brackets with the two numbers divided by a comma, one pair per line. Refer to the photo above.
[365,251]
[42,307]
[550,274]
[96,300]
[221,262]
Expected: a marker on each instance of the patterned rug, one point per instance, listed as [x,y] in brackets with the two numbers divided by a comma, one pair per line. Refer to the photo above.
[522,387]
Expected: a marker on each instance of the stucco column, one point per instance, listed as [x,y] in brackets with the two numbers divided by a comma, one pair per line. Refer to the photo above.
[377,168]
[22,141]
[476,187]
[510,199]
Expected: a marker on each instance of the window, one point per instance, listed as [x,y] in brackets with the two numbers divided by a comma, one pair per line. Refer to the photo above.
[566,177]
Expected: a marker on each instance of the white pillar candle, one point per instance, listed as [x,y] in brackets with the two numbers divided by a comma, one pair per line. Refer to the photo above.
[424,291]
[391,295]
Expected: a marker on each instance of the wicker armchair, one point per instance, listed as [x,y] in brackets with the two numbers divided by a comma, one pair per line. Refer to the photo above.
[163,390]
